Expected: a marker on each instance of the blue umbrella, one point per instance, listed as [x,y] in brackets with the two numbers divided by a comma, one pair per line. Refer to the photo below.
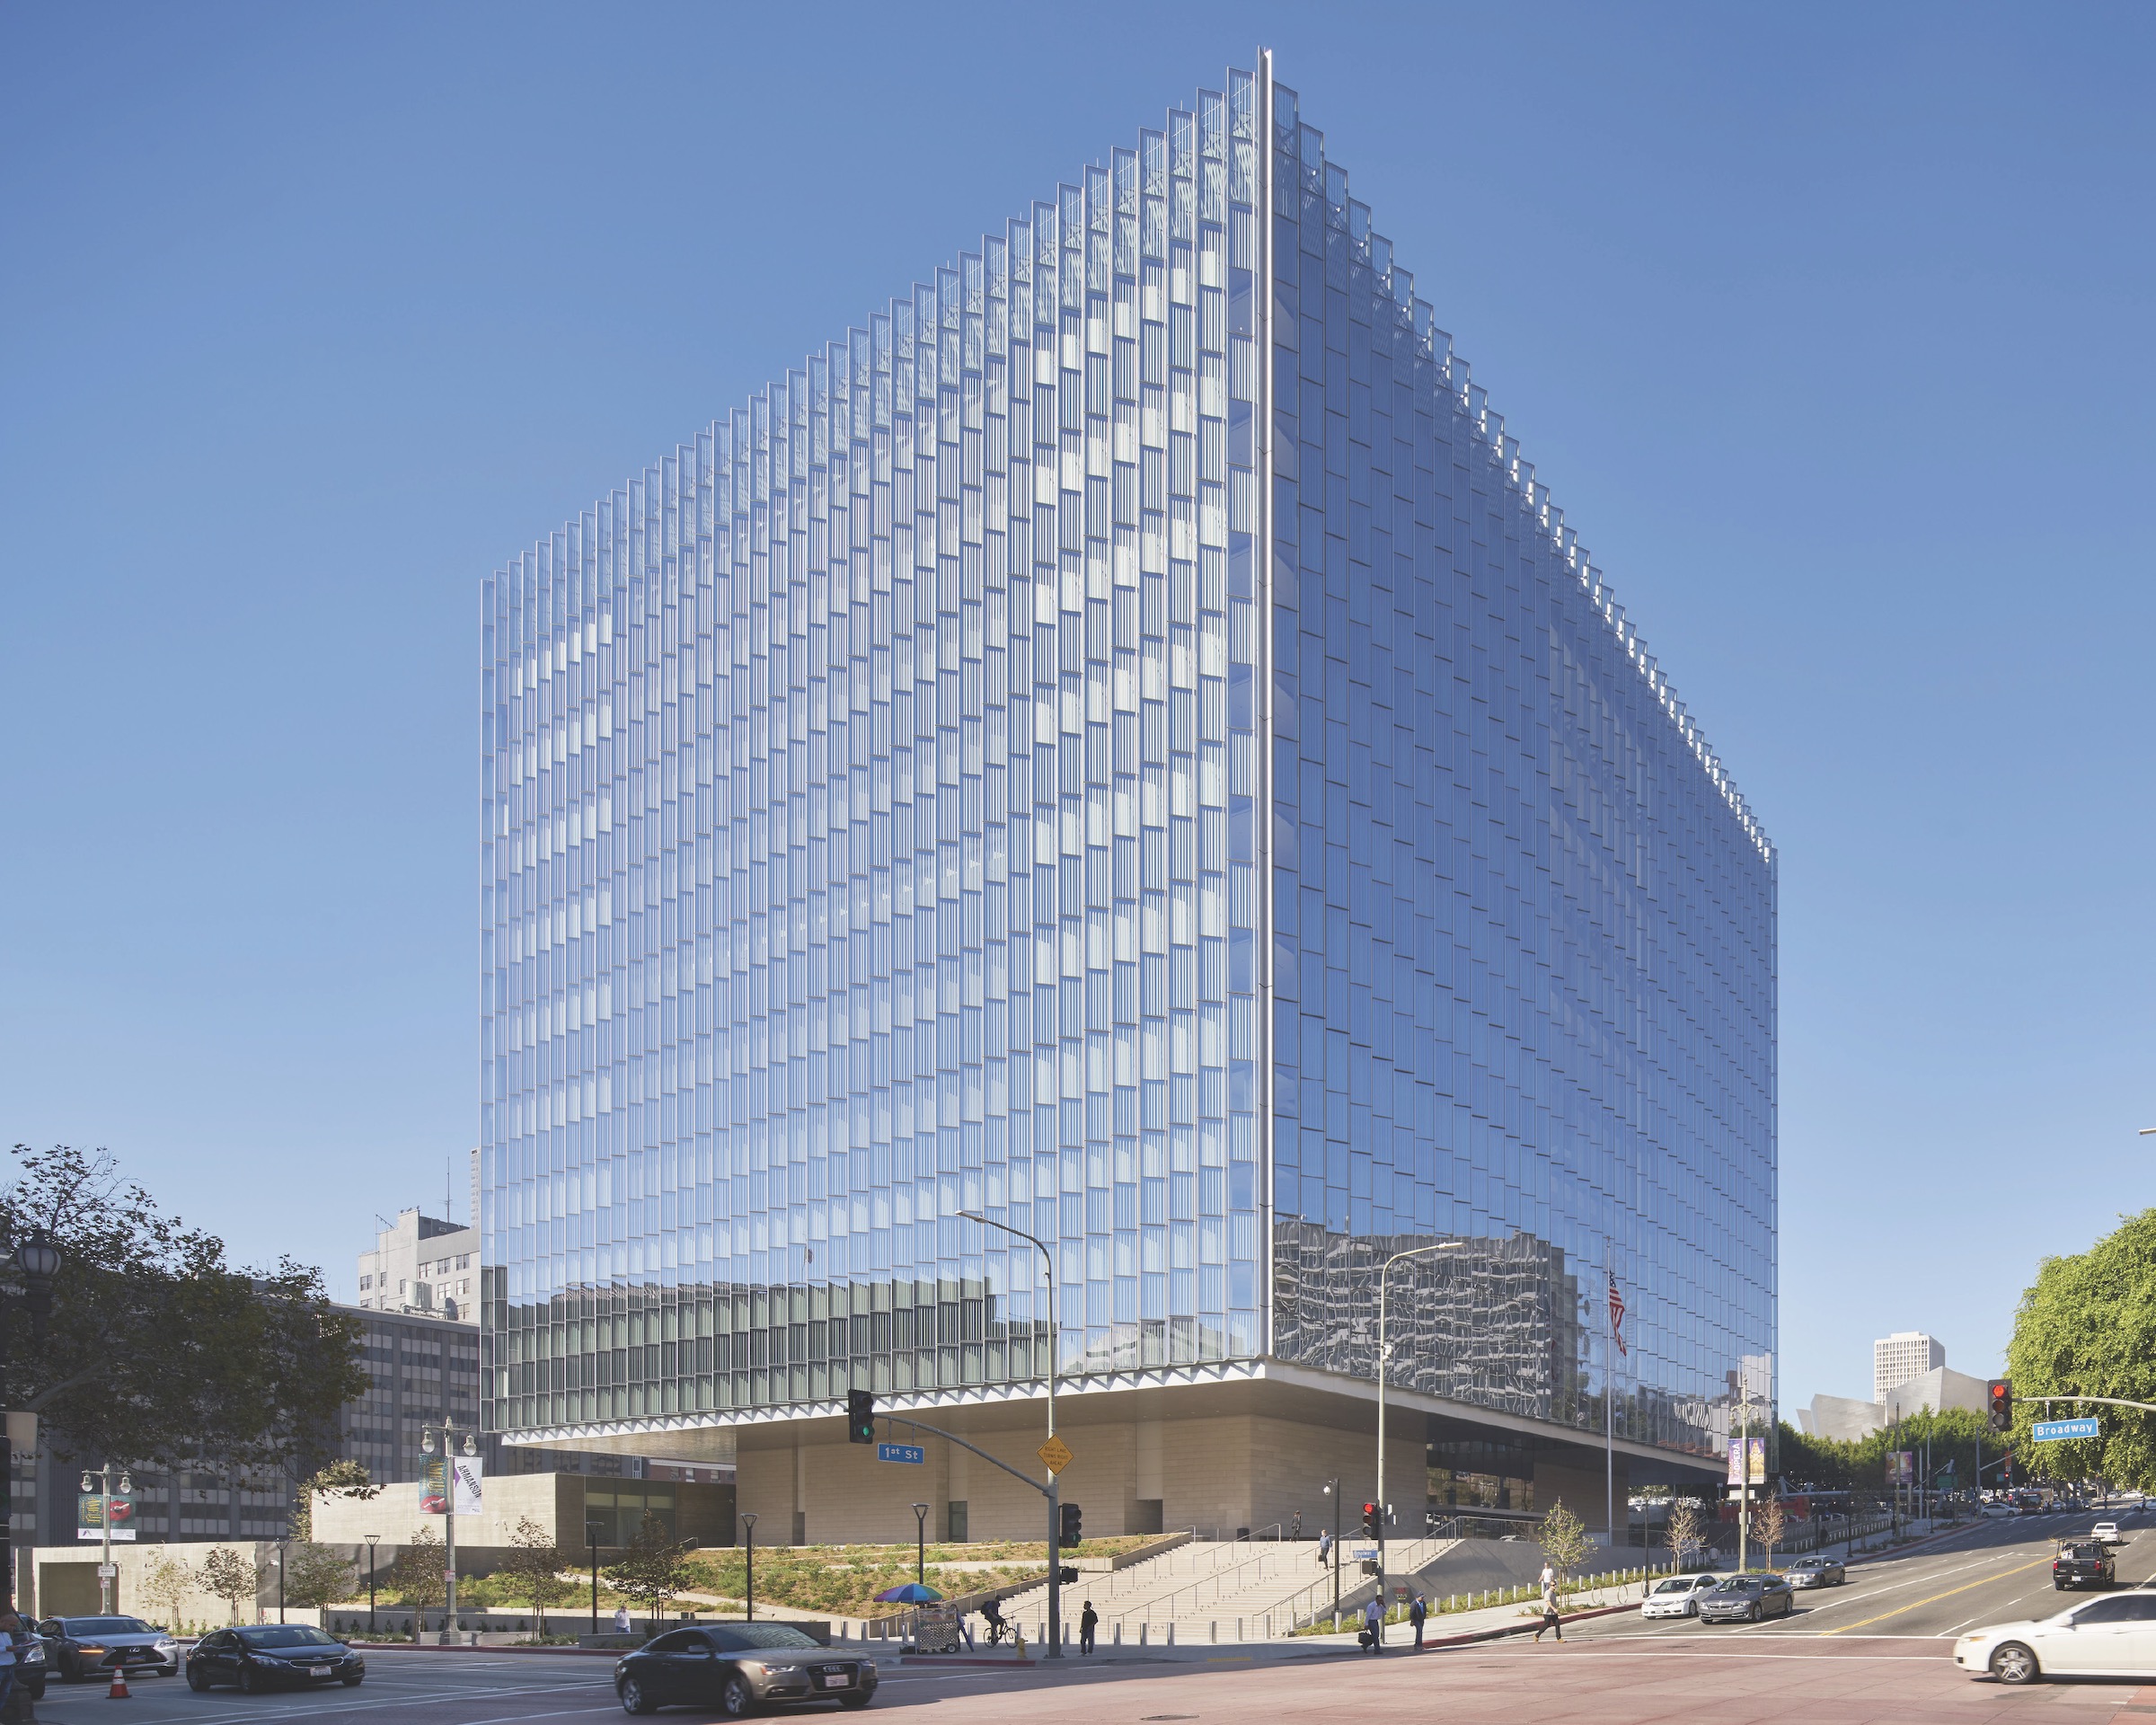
[912,1594]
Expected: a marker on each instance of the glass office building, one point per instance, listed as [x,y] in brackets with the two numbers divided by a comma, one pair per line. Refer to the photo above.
[1124,744]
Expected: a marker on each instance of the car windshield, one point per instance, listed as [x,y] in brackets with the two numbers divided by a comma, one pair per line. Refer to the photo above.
[285,1635]
[76,1627]
[1738,1584]
[765,1635]
[1682,1584]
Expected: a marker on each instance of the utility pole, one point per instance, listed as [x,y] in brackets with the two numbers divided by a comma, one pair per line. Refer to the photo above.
[1384,1353]
[449,1455]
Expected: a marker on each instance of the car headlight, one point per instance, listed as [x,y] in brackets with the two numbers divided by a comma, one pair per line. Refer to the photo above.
[34,1654]
[867,1667]
[768,1668]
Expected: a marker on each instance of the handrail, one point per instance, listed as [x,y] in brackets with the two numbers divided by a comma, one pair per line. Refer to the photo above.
[1216,1577]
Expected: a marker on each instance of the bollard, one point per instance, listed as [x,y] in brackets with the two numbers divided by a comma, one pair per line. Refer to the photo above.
[1214,1628]
[1171,1632]
[1239,1628]
[1142,1629]
[1116,1639]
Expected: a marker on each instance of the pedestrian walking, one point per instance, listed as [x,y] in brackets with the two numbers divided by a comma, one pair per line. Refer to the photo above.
[1373,1623]
[621,1620]
[1551,1621]
[1418,1608]
[1324,1548]
[11,1631]
[1294,1529]
[1088,1620]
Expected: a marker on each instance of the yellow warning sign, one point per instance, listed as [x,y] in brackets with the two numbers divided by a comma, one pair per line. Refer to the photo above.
[1054,1454]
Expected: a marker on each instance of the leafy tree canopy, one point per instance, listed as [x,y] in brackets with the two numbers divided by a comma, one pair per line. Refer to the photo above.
[1834,1465]
[158,1352]
[653,1567]
[2089,1328]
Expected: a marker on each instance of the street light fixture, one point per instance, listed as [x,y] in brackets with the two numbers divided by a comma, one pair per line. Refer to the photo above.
[449,1431]
[749,1522]
[372,1539]
[921,1544]
[1055,1636]
[37,1261]
[1384,1353]
[100,1482]
[1332,1491]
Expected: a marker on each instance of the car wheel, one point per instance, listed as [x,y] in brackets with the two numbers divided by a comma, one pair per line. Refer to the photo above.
[197,1679]
[1753,1615]
[2014,1663]
[853,1703]
[353,1681]
[250,1683]
[633,1698]
[736,1699]
[36,1686]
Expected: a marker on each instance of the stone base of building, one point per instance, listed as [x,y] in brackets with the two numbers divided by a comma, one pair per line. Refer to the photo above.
[1228,1457]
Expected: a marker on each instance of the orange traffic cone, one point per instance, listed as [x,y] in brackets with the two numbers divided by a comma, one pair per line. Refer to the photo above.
[118,1691]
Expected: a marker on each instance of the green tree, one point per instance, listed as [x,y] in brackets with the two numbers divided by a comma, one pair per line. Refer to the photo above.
[168,1583]
[314,1574]
[417,1575]
[251,1369]
[1563,1537]
[225,1574]
[533,1572]
[2088,1327]
[653,1567]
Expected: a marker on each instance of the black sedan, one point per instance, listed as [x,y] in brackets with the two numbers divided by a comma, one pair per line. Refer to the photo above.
[79,1648]
[1747,1598]
[1818,1572]
[273,1656]
[738,1668]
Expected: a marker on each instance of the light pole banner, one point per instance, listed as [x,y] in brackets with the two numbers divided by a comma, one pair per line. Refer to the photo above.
[434,1486]
[468,1475]
[90,1515]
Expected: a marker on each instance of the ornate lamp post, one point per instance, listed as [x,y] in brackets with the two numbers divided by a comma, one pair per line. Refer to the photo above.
[449,1431]
[748,1521]
[921,1544]
[33,1264]
[373,1540]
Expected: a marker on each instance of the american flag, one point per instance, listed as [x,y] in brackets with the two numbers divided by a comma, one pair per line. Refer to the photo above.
[1617,1317]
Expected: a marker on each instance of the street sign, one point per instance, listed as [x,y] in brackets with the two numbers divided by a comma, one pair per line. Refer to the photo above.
[912,1452]
[2059,1431]
[107,1571]
[1054,1454]
[1364,1554]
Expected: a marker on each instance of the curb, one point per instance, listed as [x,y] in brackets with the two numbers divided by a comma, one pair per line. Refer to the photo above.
[952,1658]
[459,1647]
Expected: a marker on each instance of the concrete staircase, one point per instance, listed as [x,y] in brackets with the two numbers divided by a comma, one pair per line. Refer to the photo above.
[1212,1590]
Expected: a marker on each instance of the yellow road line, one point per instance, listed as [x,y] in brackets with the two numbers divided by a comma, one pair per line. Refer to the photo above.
[1843,1629]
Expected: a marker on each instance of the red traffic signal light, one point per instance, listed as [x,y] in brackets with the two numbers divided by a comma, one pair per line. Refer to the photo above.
[1370,1521]
[1999,1412]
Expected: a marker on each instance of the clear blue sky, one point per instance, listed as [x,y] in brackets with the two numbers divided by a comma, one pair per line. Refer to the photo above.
[1829,327]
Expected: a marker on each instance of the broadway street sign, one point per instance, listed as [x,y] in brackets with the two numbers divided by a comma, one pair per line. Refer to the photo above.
[2059,1431]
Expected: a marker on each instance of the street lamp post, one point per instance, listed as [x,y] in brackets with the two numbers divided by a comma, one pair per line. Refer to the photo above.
[373,1540]
[100,1482]
[1332,1491]
[591,1547]
[921,1544]
[749,1522]
[449,1431]
[1047,1259]
[36,1261]
[281,1549]
[1384,1348]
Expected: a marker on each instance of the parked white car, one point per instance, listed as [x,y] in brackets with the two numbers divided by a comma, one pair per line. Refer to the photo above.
[1677,1596]
[2108,1531]
[2111,1637]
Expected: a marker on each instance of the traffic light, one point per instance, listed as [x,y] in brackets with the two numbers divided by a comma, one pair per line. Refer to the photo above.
[1999,1409]
[1069,1533]
[1067,1575]
[860,1416]
[1370,1521]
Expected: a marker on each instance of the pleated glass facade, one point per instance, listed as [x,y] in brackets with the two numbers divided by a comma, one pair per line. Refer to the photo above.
[1137,757]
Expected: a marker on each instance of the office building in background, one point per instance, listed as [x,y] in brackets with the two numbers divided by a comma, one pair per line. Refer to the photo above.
[1904,1355]
[1123,743]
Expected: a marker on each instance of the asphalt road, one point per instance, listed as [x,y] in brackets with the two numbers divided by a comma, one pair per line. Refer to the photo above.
[1876,1651]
